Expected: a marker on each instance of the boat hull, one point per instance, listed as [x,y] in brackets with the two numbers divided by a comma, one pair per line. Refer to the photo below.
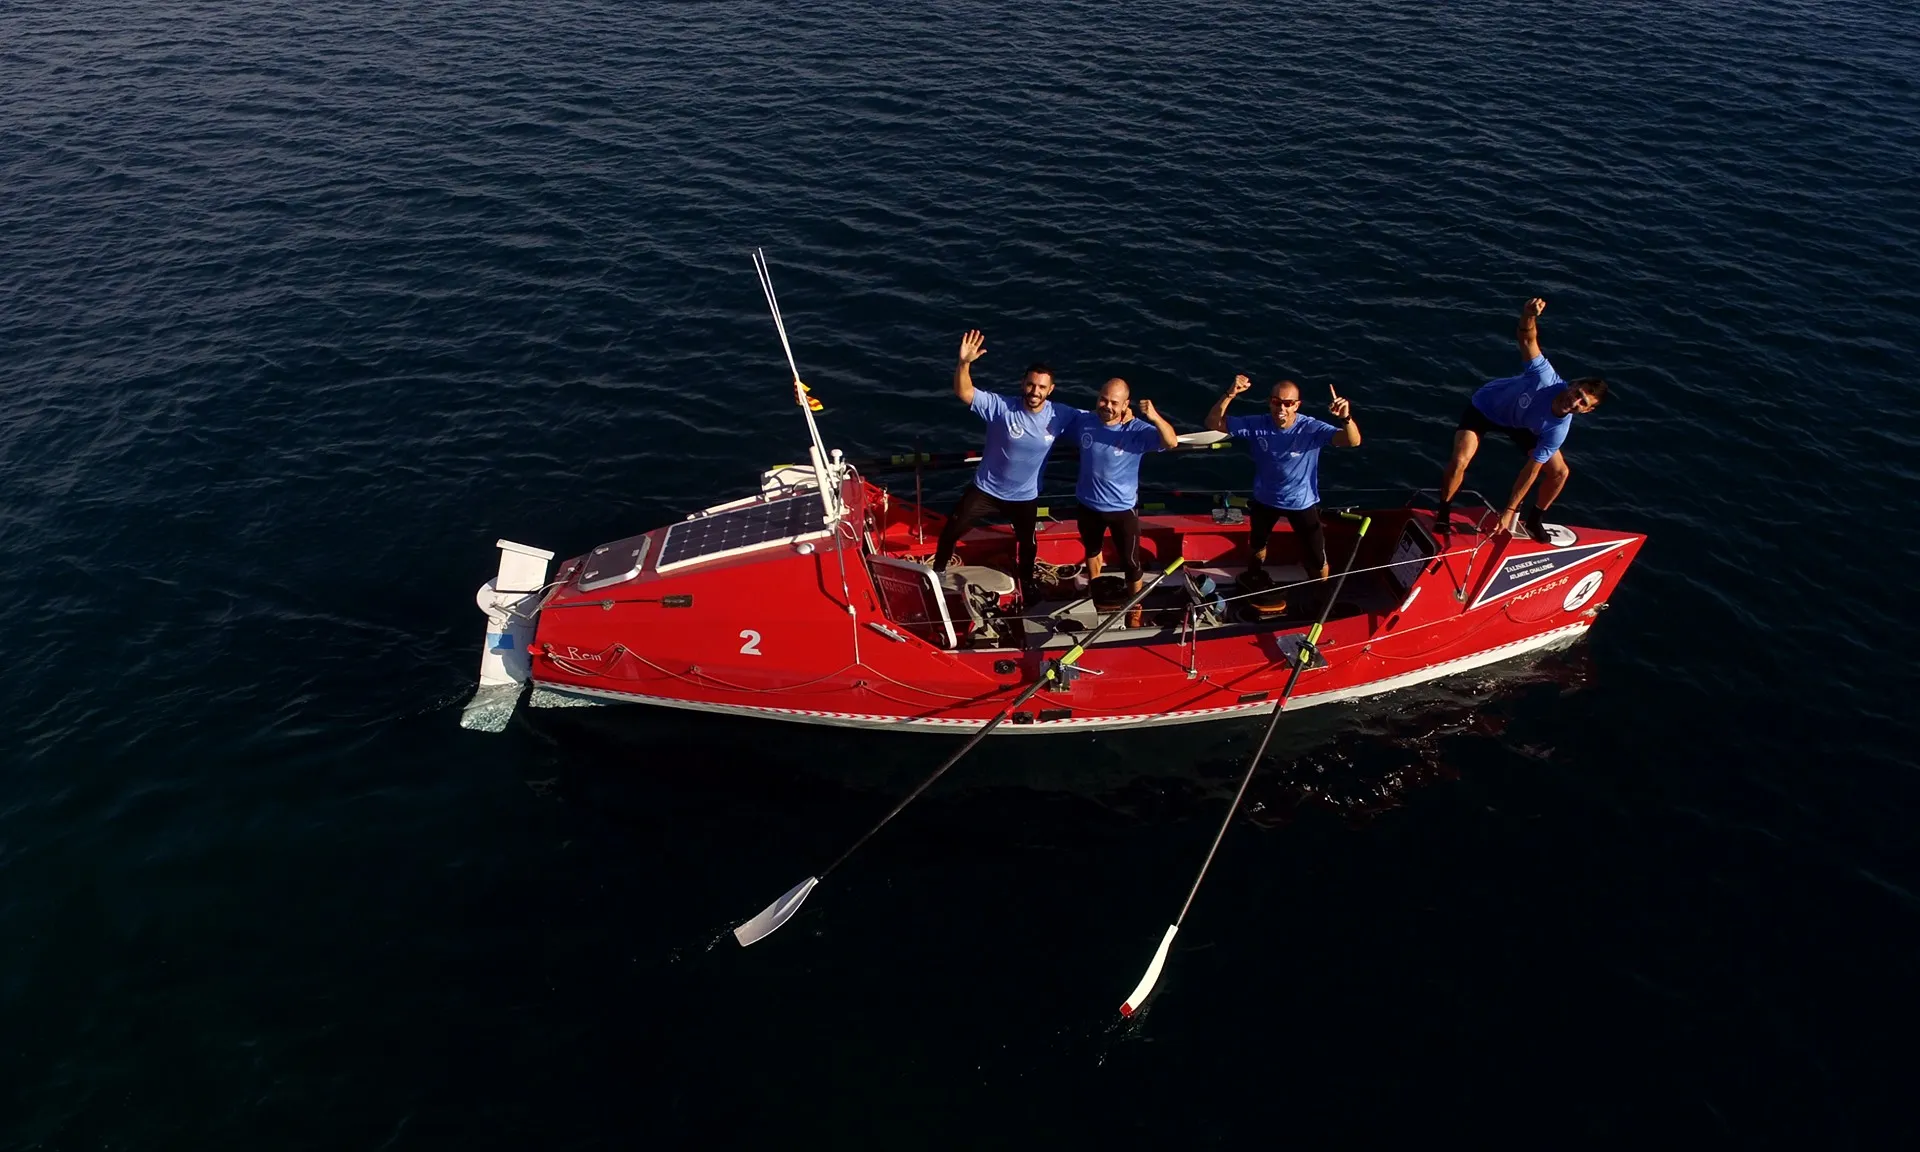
[559,696]
[758,609]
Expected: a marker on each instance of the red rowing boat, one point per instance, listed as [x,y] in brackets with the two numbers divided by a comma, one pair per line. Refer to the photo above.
[811,601]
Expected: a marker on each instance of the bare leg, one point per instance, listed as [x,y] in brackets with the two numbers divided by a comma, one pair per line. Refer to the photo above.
[1093,567]
[1465,444]
[1553,478]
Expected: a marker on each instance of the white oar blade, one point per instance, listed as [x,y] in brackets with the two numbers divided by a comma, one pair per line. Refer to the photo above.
[1195,439]
[775,914]
[1145,987]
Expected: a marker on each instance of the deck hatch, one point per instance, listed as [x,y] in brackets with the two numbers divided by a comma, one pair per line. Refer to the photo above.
[613,563]
[737,530]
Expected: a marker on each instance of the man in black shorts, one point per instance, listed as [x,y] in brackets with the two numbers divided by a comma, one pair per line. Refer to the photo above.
[1111,447]
[1286,468]
[1535,410]
[1020,433]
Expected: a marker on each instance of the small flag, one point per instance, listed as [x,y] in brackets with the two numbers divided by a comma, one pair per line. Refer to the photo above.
[812,404]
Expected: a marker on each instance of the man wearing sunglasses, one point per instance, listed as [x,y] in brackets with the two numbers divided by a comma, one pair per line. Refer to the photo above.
[1534,410]
[1286,469]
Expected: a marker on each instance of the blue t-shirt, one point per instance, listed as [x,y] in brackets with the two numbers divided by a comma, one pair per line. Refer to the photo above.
[1286,461]
[1017,444]
[1110,457]
[1526,401]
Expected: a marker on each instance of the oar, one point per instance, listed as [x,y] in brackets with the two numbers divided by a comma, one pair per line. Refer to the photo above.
[782,910]
[1300,660]
[1189,442]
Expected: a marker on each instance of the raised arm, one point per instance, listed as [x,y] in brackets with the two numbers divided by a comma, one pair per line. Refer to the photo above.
[1528,473]
[1217,415]
[1527,334]
[1168,438]
[1342,409]
[972,346]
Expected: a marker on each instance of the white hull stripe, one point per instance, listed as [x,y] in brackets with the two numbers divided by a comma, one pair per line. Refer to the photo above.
[1564,635]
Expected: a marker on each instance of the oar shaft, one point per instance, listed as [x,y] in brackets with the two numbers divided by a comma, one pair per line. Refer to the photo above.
[909,798]
[1051,674]
[1301,658]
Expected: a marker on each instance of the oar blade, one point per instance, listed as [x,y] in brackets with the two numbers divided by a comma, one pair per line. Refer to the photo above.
[1145,987]
[775,914]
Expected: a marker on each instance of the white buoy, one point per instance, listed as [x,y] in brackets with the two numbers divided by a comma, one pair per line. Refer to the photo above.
[505,665]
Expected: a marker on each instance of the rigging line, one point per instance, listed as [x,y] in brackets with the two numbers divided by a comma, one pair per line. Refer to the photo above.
[702,679]
[926,712]
[1427,653]
[929,691]
[515,612]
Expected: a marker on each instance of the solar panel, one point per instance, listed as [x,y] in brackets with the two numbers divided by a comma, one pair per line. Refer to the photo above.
[740,529]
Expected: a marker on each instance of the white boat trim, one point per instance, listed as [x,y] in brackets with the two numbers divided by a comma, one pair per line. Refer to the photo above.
[573,694]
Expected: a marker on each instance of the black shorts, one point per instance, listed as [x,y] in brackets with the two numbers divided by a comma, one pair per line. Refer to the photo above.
[1475,421]
[1306,529]
[1125,526]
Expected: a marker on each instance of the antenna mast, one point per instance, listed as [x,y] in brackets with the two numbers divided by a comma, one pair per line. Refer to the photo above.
[829,487]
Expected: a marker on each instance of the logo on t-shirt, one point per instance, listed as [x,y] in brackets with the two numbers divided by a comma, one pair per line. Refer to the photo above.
[1016,430]
[1525,400]
[1086,441]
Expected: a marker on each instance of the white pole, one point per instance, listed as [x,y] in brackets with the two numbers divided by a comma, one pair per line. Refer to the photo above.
[829,494]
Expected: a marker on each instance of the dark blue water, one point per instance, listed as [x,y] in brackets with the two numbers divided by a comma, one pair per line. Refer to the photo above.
[302,305]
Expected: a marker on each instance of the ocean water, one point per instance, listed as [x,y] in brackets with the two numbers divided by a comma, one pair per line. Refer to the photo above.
[303,305]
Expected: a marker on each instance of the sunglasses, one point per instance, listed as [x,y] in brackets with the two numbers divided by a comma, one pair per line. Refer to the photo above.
[1284,403]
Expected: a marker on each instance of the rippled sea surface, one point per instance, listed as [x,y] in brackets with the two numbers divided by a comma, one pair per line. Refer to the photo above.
[303,305]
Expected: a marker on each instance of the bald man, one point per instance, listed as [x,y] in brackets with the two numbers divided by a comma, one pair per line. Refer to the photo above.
[1286,469]
[1112,445]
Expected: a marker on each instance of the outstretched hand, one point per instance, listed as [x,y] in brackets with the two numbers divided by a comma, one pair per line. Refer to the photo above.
[1506,522]
[1340,407]
[972,346]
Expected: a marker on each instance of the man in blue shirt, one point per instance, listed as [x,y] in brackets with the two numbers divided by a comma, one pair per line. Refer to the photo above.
[1112,445]
[1535,410]
[1020,431]
[1286,469]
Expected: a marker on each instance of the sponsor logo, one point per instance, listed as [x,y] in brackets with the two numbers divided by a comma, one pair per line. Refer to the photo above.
[1518,573]
[1579,594]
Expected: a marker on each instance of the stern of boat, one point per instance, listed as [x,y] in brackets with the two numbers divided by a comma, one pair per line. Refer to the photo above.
[511,602]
